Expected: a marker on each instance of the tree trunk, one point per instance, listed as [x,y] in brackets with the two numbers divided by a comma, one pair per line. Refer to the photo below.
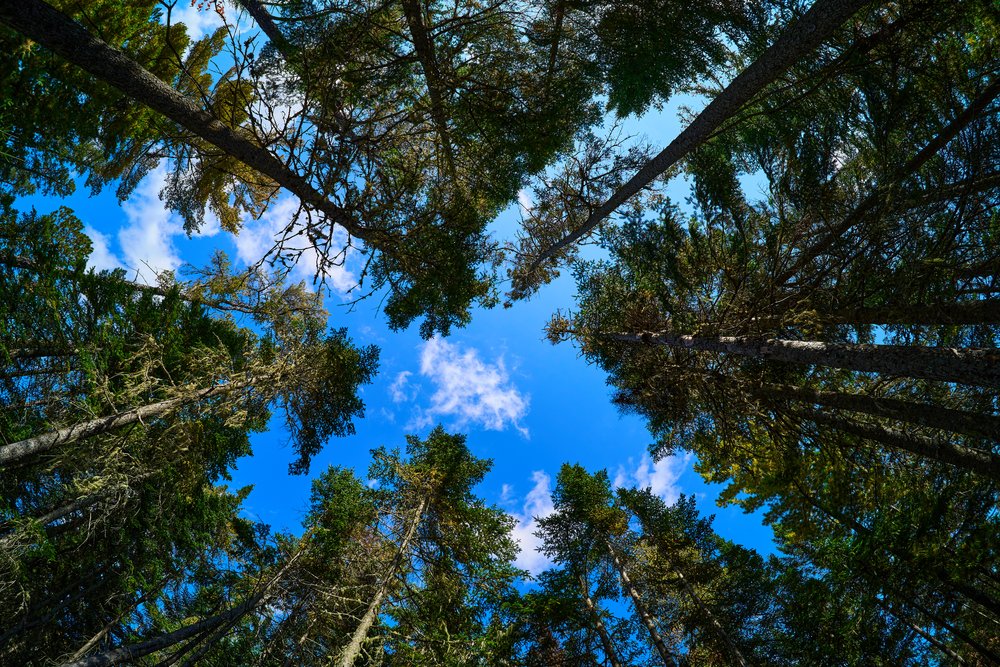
[979,311]
[130,653]
[602,632]
[880,194]
[926,636]
[640,608]
[353,648]
[42,23]
[423,45]
[145,597]
[978,367]
[929,415]
[22,449]
[734,652]
[267,25]
[795,42]
[974,460]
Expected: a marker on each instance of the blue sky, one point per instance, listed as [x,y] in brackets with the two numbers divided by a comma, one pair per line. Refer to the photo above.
[528,405]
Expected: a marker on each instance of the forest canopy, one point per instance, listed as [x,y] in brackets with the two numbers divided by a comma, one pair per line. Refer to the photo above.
[815,323]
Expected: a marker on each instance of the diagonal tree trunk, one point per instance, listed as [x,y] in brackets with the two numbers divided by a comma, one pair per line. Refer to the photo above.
[266,23]
[640,608]
[734,651]
[978,461]
[132,652]
[970,366]
[961,422]
[877,196]
[795,42]
[353,648]
[17,451]
[42,23]
[602,632]
[423,45]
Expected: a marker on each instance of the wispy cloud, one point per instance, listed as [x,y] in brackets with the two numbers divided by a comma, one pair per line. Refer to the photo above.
[660,477]
[257,238]
[537,505]
[467,390]
[101,258]
[146,239]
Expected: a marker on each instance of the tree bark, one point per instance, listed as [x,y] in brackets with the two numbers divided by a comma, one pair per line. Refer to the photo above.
[42,23]
[734,652]
[423,45]
[266,23]
[979,311]
[640,608]
[795,42]
[962,422]
[129,653]
[602,632]
[353,648]
[877,196]
[926,636]
[22,449]
[978,367]
[974,460]
[145,597]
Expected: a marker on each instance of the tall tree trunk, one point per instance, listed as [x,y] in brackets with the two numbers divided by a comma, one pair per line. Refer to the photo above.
[22,449]
[145,597]
[974,460]
[962,422]
[942,574]
[42,23]
[353,648]
[795,42]
[879,195]
[980,367]
[926,636]
[734,651]
[640,608]
[423,45]
[969,312]
[602,632]
[266,23]
[130,653]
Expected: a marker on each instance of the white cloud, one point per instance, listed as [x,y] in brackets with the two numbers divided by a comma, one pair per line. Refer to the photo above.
[537,505]
[199,22]
[398,388]
[101,258]
[469,390]
[524,200]
[145,240]
[660,477]
[257,238]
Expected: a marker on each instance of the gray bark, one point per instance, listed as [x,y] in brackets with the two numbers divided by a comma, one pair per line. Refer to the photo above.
[974,460]
[640,608]
[266,23]
[979,311]
[42,23]
[795,42]
[734,651]
[962,422]
[602,632]
[353,648]
[979,367]
[130,653]
[22,449]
